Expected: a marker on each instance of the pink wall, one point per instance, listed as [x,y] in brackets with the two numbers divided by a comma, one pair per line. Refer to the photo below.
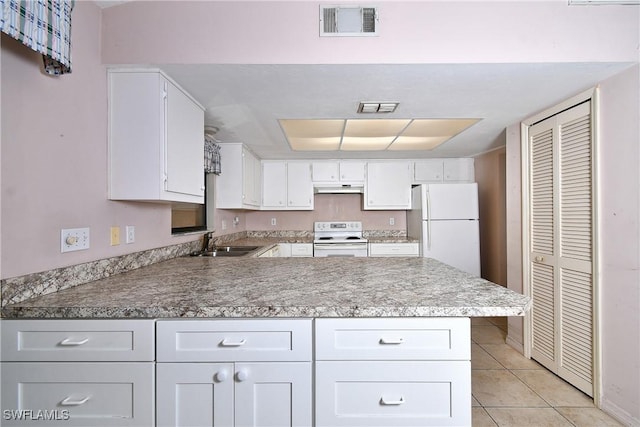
[286,32]
[619,221]
[54,159]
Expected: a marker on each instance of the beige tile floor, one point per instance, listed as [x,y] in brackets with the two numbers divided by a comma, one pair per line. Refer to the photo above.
[512,391]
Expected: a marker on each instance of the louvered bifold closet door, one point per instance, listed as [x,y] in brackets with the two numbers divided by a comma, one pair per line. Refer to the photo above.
[576,247]
[542,240]
[561,244]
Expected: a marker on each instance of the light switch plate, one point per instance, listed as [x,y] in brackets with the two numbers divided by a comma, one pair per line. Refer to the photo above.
[74,239]
[130,234]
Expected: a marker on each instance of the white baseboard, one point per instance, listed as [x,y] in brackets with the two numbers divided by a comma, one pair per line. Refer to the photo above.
[619,414]
[515,344]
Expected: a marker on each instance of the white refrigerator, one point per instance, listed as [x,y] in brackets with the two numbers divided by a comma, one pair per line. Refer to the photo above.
[445,219]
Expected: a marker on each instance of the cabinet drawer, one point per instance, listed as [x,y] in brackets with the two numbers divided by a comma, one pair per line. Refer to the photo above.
[234,340]
[301,249]
[77,340]
[78,394]
[393,394]
[393,339]
[393,249]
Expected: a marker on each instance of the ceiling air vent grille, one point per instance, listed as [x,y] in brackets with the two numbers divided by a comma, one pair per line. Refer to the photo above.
[348,21]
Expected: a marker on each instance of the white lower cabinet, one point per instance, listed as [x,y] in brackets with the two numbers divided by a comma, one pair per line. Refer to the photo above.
[393,372]
[237,372]
[78,373]
[77,394]
[355,393]
[410,249]
[263,378]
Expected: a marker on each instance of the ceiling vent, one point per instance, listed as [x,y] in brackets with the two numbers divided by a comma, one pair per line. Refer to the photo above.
[377,107]
[348,21]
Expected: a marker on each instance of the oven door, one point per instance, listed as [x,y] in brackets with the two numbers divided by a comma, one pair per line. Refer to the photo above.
[340,249]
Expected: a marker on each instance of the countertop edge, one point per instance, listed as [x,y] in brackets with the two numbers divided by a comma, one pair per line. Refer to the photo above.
[254,312]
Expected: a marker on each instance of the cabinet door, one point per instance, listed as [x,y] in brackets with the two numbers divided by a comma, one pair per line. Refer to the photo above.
[426,171]
[184,144]
[273,394]
[459,170]
[299,185]
[325,171]
[352,172]
[302,249]
[194,394]
[393,394]
[249,191]
[274,182]
[388,185]
[285,250]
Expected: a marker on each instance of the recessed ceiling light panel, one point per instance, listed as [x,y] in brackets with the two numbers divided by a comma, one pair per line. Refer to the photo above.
[371,134]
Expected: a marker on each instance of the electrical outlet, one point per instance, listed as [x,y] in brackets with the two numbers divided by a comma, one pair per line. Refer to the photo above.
[392,221]
[224,224]
[74,239]
[130,235]
[115,236]
[273,221]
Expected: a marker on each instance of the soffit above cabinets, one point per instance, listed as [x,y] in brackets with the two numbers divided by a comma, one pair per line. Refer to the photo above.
[371,134]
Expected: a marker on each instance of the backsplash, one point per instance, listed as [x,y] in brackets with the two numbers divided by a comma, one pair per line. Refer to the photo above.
[327,207]
[20,288]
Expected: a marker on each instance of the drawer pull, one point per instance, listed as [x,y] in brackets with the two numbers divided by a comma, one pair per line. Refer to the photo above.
[394,341]
[70,343]
[70,402]
[226,343]
[385,402]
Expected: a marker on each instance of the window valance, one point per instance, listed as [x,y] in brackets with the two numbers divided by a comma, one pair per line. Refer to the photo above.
[42,25]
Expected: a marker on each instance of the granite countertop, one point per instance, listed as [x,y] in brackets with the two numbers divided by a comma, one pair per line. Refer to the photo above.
[280,287]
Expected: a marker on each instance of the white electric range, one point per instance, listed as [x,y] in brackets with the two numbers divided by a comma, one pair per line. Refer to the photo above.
[339,238]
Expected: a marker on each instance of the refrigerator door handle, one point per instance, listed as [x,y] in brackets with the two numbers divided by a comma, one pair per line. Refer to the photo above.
[428,203]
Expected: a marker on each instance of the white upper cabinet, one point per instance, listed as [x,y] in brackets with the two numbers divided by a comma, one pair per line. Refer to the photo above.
[239,184]
[459,170]
[274,181]
[325,171]
[388,185]
[443,170]
[287,185]
[299,185]
[333,171]
[156,143]
[426,171]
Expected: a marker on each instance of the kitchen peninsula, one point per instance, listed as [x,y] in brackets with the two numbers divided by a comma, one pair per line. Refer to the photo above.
[355,341]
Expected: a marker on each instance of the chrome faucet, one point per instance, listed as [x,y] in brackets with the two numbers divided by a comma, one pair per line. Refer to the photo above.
[206,241]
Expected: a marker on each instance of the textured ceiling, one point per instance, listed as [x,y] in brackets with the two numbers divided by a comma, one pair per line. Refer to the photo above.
[246,101]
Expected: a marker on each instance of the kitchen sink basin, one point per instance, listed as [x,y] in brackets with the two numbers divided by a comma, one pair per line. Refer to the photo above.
[227,251]
[236,248]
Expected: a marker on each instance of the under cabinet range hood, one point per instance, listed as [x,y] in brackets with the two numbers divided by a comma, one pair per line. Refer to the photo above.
[338,189]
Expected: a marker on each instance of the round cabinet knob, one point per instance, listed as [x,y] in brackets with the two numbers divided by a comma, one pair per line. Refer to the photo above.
[221,376]
[242,375]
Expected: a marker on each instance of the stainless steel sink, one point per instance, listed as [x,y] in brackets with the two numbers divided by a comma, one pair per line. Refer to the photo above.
[227,251]
[236,248]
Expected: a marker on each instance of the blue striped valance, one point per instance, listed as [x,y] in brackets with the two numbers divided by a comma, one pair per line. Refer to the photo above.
[42,25]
